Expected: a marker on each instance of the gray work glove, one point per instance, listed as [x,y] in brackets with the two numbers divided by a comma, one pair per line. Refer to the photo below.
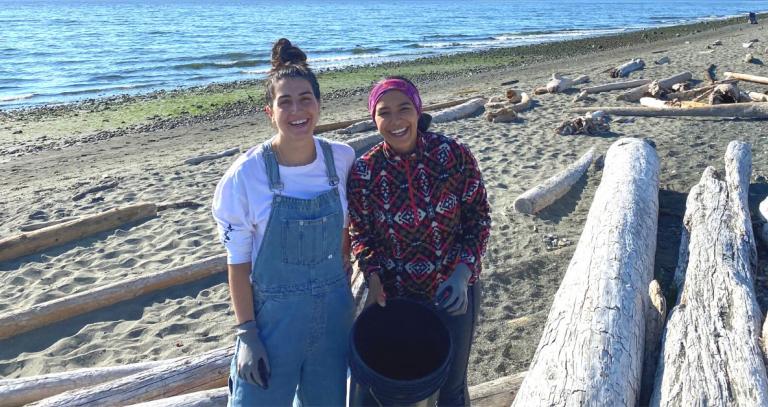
[252,361]
[451,294]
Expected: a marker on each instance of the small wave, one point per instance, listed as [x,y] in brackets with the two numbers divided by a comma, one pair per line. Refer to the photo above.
[218,65]
[14,98]
[446,36]
[364,50]
[113,77]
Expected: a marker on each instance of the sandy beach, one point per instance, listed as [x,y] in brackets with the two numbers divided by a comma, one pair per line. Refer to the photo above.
[520,276]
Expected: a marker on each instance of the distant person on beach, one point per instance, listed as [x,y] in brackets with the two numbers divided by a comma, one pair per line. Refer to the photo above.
[281,213]
[420,220]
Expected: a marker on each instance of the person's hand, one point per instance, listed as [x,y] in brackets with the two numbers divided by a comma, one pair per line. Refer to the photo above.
[375,291]
[252,362]
[451,294]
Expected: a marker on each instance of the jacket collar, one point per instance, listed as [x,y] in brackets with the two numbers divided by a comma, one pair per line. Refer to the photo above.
[393,156]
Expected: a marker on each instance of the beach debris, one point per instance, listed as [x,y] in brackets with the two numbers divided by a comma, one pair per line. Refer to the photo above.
[39,240]
[680,87]
[626,68]
[178,205]
[559,83]
[612,86]
[655,319]
[750,59]
[554,242]
[664,104]
[512,82]
[717,42]
[762,210]
[635,94]
[553,188]
[208,157]
[617,245]
[744,110]
[365,125]
[17,322]
[103,186]
[755,96]
[724,93]
[748,44]
[362,144]
[752,18]
[506,110]
[663,60]
[718,245]
[24,390]
[458,112]
[594,123]
[710,73]
[709,51]
[746,77]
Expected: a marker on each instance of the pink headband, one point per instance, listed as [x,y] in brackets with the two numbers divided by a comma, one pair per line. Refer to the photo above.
[393,84]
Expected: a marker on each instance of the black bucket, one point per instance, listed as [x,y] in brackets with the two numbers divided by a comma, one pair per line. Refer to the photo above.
[400,355]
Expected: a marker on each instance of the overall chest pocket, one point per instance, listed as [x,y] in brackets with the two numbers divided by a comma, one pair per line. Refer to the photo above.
[305,241]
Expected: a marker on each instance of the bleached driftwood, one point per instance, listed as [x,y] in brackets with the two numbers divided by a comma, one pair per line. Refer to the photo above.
[746,77]
[616,86]
[710,351]
[591,349]
[40,225]
[640,91]
[653,102]
[206,398]
[194,373]
[744,110]
[655,317]
[696,92]
[724,93]
[626,68]
[365,125]
[749,58]
[17,392]
[506,112]
[544,194]
[38,240]
[208,157]
[364,143]
[763,211]
[757,96]
[495,393]
[458,112]
[559,83]
[17,322]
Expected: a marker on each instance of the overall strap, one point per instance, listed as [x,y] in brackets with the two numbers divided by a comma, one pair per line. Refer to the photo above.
[330,166]
[273,170]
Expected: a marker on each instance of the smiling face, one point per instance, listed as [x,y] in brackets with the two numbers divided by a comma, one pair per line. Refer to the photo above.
[295,109]
[397,121]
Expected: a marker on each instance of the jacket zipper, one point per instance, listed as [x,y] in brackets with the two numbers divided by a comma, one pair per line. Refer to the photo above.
[410,191]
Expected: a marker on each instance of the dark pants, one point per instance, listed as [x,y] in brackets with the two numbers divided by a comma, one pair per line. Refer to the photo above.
[455,391]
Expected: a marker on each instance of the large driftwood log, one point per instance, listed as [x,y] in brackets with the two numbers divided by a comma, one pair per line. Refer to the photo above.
[693,93]
[747,77]
[206,398]
[17,392]
[41,225]
[744,110]
[495,393]
[616,86]
[710,352]
[41,239]
[206,371]
[458,112]
[15,323]
[544,194]
[364,143]
[591,350]
[666,83]
[626,68]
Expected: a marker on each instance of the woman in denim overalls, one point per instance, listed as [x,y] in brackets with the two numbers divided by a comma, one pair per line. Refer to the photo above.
[281,215]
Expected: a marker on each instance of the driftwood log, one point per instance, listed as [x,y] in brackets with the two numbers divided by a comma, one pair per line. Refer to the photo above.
[364,143]
[710,353]
[559,83]
[359,125]
[591,349]
[17,392]
[626,68]
[763,211]
[40,225]
[746,77]
[41,239]
[696,92]
[724,93]
[616,86]
[495,393]
[544,194]
[655,317]
[744,110]
[17,322]
[208,157]
[757,97]
[461,111]
[666,83]
[194,373]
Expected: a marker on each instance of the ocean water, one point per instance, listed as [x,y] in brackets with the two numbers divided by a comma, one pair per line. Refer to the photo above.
[55,51]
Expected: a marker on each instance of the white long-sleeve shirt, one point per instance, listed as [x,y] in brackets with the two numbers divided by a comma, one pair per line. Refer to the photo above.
[243,201]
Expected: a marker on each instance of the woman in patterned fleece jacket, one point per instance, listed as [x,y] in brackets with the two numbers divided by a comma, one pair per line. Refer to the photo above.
[419,220]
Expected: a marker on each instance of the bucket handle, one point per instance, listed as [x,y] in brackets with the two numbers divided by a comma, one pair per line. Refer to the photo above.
[370,390]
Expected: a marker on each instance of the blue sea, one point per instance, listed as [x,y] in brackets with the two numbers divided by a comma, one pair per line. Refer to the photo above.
[56,51]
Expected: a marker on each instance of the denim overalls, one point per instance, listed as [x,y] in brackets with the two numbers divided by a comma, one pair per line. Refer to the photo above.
[302,300]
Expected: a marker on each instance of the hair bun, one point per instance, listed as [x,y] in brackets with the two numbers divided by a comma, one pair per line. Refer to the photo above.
[284,54]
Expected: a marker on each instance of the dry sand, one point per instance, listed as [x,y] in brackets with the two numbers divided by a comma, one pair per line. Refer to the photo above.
[520,277]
